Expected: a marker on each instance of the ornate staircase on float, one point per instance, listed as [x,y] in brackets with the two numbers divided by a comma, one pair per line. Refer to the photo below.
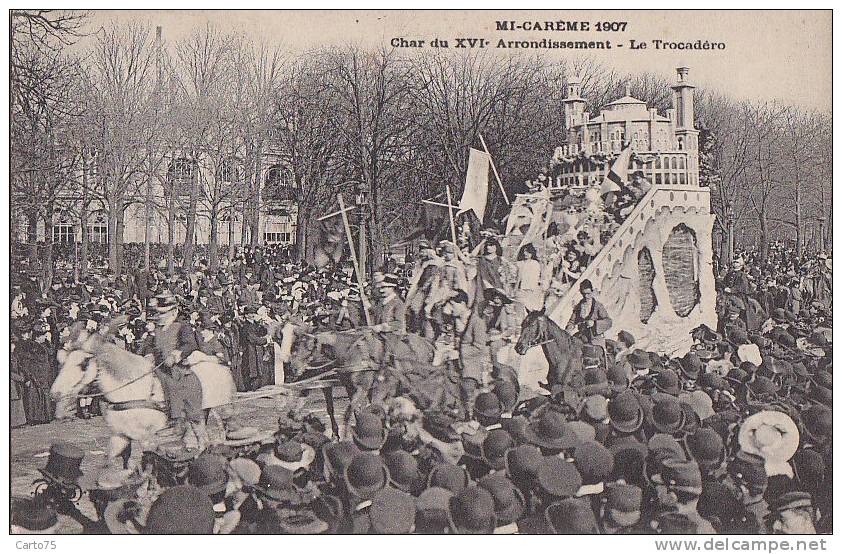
[655,274]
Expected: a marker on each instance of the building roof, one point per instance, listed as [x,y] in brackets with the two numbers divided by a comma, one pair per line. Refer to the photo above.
[619,116]
[625,100]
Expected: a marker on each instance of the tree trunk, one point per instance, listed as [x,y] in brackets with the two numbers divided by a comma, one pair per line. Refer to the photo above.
[83,221]
[147,231]
[231,233]
[190,235]
[729,242]
[764,236]
[171,231]
[255,200]
[799,238]
[112,236]
[48,245]
[213,247]
[32,235]
[121,224]
[301,220]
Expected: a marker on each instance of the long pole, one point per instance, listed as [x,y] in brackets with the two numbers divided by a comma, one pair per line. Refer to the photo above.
[350,238]
[450,213]
[494,169]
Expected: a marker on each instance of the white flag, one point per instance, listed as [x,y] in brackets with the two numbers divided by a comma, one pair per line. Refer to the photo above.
[618,174]
[475,195]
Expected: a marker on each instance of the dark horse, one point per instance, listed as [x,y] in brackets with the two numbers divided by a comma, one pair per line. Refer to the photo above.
[563,351]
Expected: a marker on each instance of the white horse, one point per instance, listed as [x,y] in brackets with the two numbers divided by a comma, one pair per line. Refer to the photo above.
[135,407]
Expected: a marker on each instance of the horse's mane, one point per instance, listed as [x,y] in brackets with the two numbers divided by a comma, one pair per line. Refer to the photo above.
[555,329]
[120,363]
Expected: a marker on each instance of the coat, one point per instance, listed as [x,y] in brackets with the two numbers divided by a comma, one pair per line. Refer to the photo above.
[33,361]
[253,367]
[391,315]
[473,350]
[598,314]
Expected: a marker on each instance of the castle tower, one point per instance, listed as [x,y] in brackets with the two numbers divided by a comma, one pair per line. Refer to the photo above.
[686,135]
[683,113]
[574,104]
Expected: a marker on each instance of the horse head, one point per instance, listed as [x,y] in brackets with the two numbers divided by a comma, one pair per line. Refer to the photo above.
[532,331]
[77,371]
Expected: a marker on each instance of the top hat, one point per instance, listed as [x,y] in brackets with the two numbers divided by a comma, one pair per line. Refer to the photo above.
[64,463]
[368,433]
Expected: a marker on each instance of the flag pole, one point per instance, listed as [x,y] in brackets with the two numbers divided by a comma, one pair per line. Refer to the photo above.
[450,213]
[494,169]
[360,283]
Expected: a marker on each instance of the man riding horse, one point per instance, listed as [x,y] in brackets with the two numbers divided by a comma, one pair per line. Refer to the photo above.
[175,340]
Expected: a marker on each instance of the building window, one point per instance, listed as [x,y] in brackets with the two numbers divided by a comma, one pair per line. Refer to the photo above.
[64,232]
[180,175]
[681,163]
[229,171]
[98,230]
[283,237]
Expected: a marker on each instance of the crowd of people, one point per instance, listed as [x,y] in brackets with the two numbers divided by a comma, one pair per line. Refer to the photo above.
[733,437]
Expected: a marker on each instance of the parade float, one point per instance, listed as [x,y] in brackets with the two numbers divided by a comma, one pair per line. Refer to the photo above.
[653,271]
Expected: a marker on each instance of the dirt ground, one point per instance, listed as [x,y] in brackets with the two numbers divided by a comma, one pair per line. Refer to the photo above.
[30,444]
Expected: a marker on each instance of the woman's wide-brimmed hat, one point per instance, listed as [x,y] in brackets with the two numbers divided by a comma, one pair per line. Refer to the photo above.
[772,435]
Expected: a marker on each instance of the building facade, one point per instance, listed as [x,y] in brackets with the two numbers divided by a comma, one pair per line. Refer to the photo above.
[220,183]
[665,148]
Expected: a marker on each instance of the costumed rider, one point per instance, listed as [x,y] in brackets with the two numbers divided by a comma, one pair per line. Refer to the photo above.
[590,320]
[423,278]
[389,321]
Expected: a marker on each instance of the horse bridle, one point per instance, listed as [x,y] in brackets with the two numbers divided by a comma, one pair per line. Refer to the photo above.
[542,334]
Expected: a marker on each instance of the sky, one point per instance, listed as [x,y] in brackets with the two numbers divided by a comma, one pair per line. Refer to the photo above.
[768,55]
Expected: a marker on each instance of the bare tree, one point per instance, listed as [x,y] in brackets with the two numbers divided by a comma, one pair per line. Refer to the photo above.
[122,78]
[802,154]
[373,92]
[203,62]
[306,138]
